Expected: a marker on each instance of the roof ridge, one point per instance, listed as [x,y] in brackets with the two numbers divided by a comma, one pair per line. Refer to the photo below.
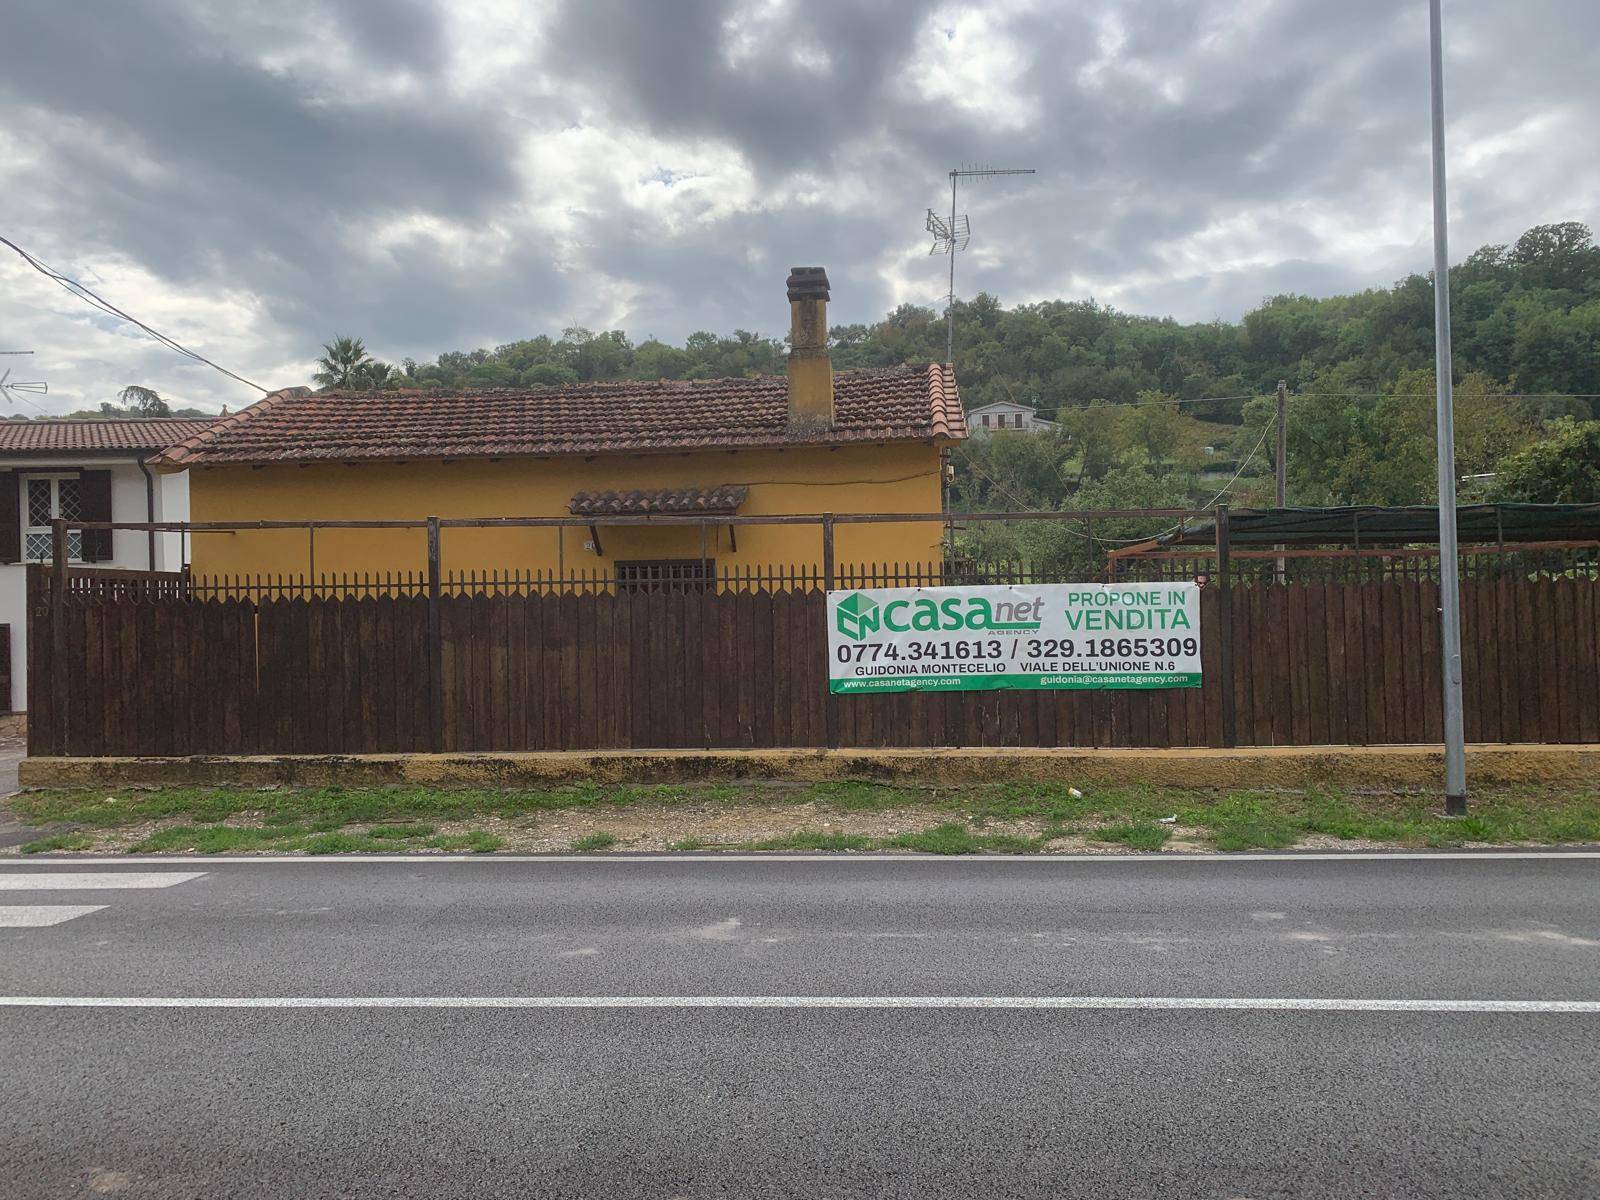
[543,389]
[949,418]
[173,457]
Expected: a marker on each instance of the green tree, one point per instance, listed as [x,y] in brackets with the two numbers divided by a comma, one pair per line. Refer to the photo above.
[341,363]
[1561,469]
[1561,256]
[144,402]
[1156,426]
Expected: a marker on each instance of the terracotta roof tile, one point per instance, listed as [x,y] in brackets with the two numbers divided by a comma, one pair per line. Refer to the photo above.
[893,404]
[132,435]
[724,499]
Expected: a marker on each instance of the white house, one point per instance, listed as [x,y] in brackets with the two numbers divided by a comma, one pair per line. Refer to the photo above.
[1007,414]
[88,471]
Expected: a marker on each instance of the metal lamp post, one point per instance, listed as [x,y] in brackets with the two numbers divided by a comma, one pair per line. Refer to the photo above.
[1455,756]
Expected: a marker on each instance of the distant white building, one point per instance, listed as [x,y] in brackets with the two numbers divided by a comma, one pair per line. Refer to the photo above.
[85,471]
[1007,414]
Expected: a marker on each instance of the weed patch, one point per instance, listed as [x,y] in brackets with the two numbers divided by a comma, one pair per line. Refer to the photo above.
[220,839]
[59,841]
[951,838]
[1139,835]
[812,839]
[401,832]
[477,841]
[595,841]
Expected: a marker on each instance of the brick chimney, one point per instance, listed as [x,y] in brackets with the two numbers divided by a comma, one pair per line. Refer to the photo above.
[810,369]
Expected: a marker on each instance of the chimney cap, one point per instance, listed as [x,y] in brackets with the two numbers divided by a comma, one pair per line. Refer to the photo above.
[808,283]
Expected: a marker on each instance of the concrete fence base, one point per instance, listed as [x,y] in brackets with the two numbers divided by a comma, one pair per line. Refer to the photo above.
[1393,767]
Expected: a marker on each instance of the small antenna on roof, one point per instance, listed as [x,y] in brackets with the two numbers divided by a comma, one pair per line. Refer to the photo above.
[12,389]
[952,236]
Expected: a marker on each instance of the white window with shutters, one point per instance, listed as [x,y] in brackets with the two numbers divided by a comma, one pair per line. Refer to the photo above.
[44,499]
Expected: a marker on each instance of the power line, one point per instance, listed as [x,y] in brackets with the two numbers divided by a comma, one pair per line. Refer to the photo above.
[89,296]
[1225,487]
[1420,396]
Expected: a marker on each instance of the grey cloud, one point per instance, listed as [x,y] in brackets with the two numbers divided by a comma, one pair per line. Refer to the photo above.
[263,181]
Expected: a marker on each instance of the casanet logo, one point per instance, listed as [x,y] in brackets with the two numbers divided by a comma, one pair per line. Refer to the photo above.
[860,615]
[857,616]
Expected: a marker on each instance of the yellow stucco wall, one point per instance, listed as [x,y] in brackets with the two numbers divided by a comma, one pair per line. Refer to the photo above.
[889,478]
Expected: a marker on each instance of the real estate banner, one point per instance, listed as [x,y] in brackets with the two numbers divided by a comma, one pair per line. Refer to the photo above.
[1059,635]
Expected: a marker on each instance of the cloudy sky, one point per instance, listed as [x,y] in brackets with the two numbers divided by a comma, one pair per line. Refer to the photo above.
[253,178]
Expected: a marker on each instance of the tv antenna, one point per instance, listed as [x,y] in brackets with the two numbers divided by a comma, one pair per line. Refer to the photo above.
[952,236]
[10,390]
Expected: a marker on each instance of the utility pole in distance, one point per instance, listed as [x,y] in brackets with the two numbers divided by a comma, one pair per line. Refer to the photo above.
[1282,460]
[1455,750]
[1283,444]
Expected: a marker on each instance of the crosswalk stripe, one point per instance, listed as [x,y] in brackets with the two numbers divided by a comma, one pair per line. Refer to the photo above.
[35,916]
[63,881]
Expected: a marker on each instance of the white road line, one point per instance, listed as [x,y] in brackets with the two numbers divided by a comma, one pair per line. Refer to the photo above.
[38,881]
[1149,1003]
[625,859]
[36,916]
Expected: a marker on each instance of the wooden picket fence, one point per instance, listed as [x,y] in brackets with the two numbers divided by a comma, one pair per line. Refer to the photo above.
[116,667]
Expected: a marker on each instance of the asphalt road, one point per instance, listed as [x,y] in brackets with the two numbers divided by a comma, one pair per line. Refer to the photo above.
[801,1097]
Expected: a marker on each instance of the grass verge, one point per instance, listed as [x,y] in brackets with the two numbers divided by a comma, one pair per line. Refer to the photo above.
[235,839]
[1011,818]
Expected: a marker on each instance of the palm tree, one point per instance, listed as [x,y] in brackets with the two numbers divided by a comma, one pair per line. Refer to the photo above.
[341,361]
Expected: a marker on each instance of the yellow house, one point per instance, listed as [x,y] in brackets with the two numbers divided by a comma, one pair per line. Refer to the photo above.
[814,441]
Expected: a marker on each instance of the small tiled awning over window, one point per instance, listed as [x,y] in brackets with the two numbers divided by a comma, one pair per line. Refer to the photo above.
[714,501]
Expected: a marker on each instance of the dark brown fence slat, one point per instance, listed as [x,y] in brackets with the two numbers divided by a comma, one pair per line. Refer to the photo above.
[499,662]
[1211,664]
[1475,715]
[1243,676]
[1338,669]
[1352,652]
[1510,675]
[1298,664]
[1394,662]
[1548,654]
[1529,667]
[385,673]
[159,670]
[584,666]
[603,667]
[1415,671]
[450,672]
[306,721]
[1315,653]
[1567,644]
[669,686]
[1588,621]
[537,736]
[724,670]
[210,704]
[1431,669]
[566,612]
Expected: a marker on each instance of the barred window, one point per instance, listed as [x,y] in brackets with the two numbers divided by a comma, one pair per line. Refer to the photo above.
[49,497]
[666,575]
